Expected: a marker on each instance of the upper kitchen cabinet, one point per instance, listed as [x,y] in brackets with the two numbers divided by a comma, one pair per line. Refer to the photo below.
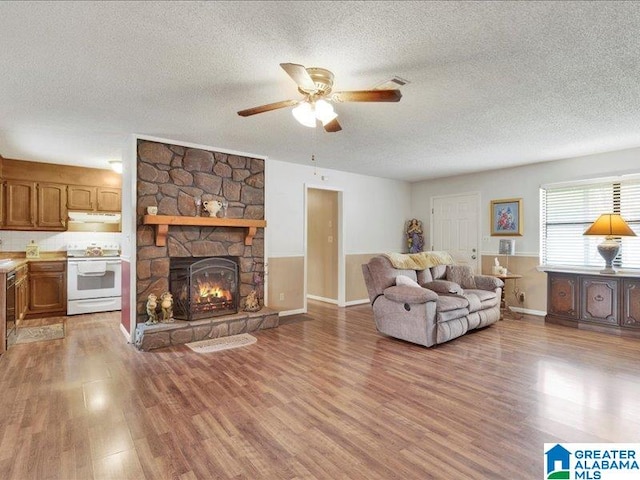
[38,196]
[51,206]
[81,198]
[34,206]
[19,205]
[109,199]
[93,199]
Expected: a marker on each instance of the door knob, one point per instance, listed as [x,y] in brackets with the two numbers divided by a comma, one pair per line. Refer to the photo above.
[473,257]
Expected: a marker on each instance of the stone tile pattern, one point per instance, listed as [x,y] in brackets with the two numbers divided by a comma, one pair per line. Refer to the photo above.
[169,177]
[160,335]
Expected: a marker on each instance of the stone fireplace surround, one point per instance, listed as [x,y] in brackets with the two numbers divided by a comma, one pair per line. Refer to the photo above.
[169,177]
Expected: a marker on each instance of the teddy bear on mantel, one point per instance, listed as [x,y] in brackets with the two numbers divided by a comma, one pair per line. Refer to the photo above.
[212,207]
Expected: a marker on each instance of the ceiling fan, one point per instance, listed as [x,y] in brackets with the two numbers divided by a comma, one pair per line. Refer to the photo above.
[316,85]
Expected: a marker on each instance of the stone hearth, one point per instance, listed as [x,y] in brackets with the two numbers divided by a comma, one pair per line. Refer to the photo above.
[150,337]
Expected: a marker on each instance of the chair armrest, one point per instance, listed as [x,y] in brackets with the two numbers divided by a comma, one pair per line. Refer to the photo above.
[487,282]
[443,286]
[404,294]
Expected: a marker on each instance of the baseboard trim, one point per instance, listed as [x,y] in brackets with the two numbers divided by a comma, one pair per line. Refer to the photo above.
[286,313]
[356,302]
[126,334]
[323,299]
[537,313]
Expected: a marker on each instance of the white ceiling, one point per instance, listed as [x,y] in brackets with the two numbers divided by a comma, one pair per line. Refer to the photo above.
[493,84]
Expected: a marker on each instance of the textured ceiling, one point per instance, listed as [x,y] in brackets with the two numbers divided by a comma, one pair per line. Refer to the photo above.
[493,84]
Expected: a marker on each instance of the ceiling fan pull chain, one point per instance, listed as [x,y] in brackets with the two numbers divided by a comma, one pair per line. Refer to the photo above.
[313,149]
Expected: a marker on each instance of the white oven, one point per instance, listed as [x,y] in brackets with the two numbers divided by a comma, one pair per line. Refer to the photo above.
[93,279]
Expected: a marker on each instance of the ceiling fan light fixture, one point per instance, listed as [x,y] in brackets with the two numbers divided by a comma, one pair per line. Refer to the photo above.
[324,111]
[304,114]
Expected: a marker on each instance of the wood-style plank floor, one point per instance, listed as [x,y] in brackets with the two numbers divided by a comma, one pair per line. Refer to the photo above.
[323,396]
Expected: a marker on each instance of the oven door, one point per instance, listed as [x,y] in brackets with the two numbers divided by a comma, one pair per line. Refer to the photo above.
[93,278]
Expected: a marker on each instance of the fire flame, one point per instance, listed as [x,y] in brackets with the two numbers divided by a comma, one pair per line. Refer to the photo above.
[207,292]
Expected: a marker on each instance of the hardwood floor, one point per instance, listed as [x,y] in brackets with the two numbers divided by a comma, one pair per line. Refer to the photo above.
[326,397]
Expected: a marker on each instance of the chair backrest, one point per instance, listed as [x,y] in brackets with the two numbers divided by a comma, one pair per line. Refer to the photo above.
[379,274]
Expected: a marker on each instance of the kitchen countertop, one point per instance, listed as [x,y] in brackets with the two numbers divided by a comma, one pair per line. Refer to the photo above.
[9,261]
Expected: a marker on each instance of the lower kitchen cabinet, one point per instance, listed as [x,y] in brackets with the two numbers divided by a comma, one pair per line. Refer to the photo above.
[602,302]
[22,293]
[47,288]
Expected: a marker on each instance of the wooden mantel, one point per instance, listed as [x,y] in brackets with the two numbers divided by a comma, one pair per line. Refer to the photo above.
[162,223]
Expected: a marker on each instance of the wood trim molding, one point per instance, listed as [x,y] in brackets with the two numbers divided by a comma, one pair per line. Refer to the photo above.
[162,223]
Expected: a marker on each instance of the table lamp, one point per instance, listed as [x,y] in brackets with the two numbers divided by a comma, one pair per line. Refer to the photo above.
[609,225]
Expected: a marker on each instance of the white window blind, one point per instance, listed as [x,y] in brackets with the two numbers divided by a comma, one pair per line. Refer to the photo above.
[567,211]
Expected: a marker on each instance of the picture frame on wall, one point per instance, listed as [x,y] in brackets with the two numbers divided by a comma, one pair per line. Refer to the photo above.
[506,217]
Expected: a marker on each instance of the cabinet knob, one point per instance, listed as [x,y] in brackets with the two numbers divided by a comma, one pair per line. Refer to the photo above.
[562,294]
[598,298]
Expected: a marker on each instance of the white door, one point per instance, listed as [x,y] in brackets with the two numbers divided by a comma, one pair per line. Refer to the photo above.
[454,227]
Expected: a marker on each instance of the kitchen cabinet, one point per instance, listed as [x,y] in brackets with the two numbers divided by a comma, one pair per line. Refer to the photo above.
[52,206]
[109,199]
[34,206]
[19,205]
[82,198]
[592,301]
[22,295]
[93,199]
[47,288]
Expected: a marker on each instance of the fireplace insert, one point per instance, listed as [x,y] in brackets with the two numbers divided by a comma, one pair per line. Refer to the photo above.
[204,288]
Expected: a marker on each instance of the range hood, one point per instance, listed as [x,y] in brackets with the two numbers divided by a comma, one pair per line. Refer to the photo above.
[93,222]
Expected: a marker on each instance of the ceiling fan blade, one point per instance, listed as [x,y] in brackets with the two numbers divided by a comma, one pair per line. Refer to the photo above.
[367,96]
[267,108]
[299,75]
[332,126]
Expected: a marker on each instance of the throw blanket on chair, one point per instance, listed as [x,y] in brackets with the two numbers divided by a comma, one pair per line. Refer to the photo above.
[419,261]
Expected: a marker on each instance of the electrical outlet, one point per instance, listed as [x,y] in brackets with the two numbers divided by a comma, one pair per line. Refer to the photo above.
[281,297]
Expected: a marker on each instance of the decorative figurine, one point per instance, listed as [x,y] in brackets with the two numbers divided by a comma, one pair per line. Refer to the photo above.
[166,304]
[212,207]
[415,239]
[252,304]
[152,305]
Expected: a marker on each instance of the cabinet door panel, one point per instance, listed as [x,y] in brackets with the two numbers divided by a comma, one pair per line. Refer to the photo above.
[600,300]
[52,206]
[81,198]
[563,294]
[631,296]
[109,199]
[19,205]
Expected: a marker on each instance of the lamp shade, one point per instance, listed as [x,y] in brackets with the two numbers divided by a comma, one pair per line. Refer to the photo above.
[610,225]
[304,113]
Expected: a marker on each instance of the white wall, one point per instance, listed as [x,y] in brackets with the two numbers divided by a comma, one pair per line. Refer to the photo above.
[375,209]
[521,182]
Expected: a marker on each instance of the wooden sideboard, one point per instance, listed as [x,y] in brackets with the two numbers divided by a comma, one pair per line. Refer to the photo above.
[594,301]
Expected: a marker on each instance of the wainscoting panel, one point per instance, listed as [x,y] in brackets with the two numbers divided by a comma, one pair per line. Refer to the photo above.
[286,281]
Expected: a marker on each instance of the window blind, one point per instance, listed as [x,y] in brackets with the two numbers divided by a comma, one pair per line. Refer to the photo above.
[567,211]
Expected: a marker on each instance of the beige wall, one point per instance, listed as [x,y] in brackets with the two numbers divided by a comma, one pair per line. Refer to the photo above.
[355,288]
[322,243]
[533,283]
[286,280]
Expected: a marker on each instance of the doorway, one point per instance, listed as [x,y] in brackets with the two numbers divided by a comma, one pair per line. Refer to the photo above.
[323,246]
[455,227]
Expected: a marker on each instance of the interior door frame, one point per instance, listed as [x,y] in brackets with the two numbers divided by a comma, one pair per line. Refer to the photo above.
[339,235]
[476,194]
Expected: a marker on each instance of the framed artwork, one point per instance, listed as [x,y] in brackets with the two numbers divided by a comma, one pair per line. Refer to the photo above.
[506,217]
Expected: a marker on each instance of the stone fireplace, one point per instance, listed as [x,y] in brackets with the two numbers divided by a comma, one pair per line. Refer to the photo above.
[174,178]
[203,288]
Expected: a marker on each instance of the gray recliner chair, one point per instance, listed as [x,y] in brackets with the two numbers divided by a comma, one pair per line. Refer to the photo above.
[446,302]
